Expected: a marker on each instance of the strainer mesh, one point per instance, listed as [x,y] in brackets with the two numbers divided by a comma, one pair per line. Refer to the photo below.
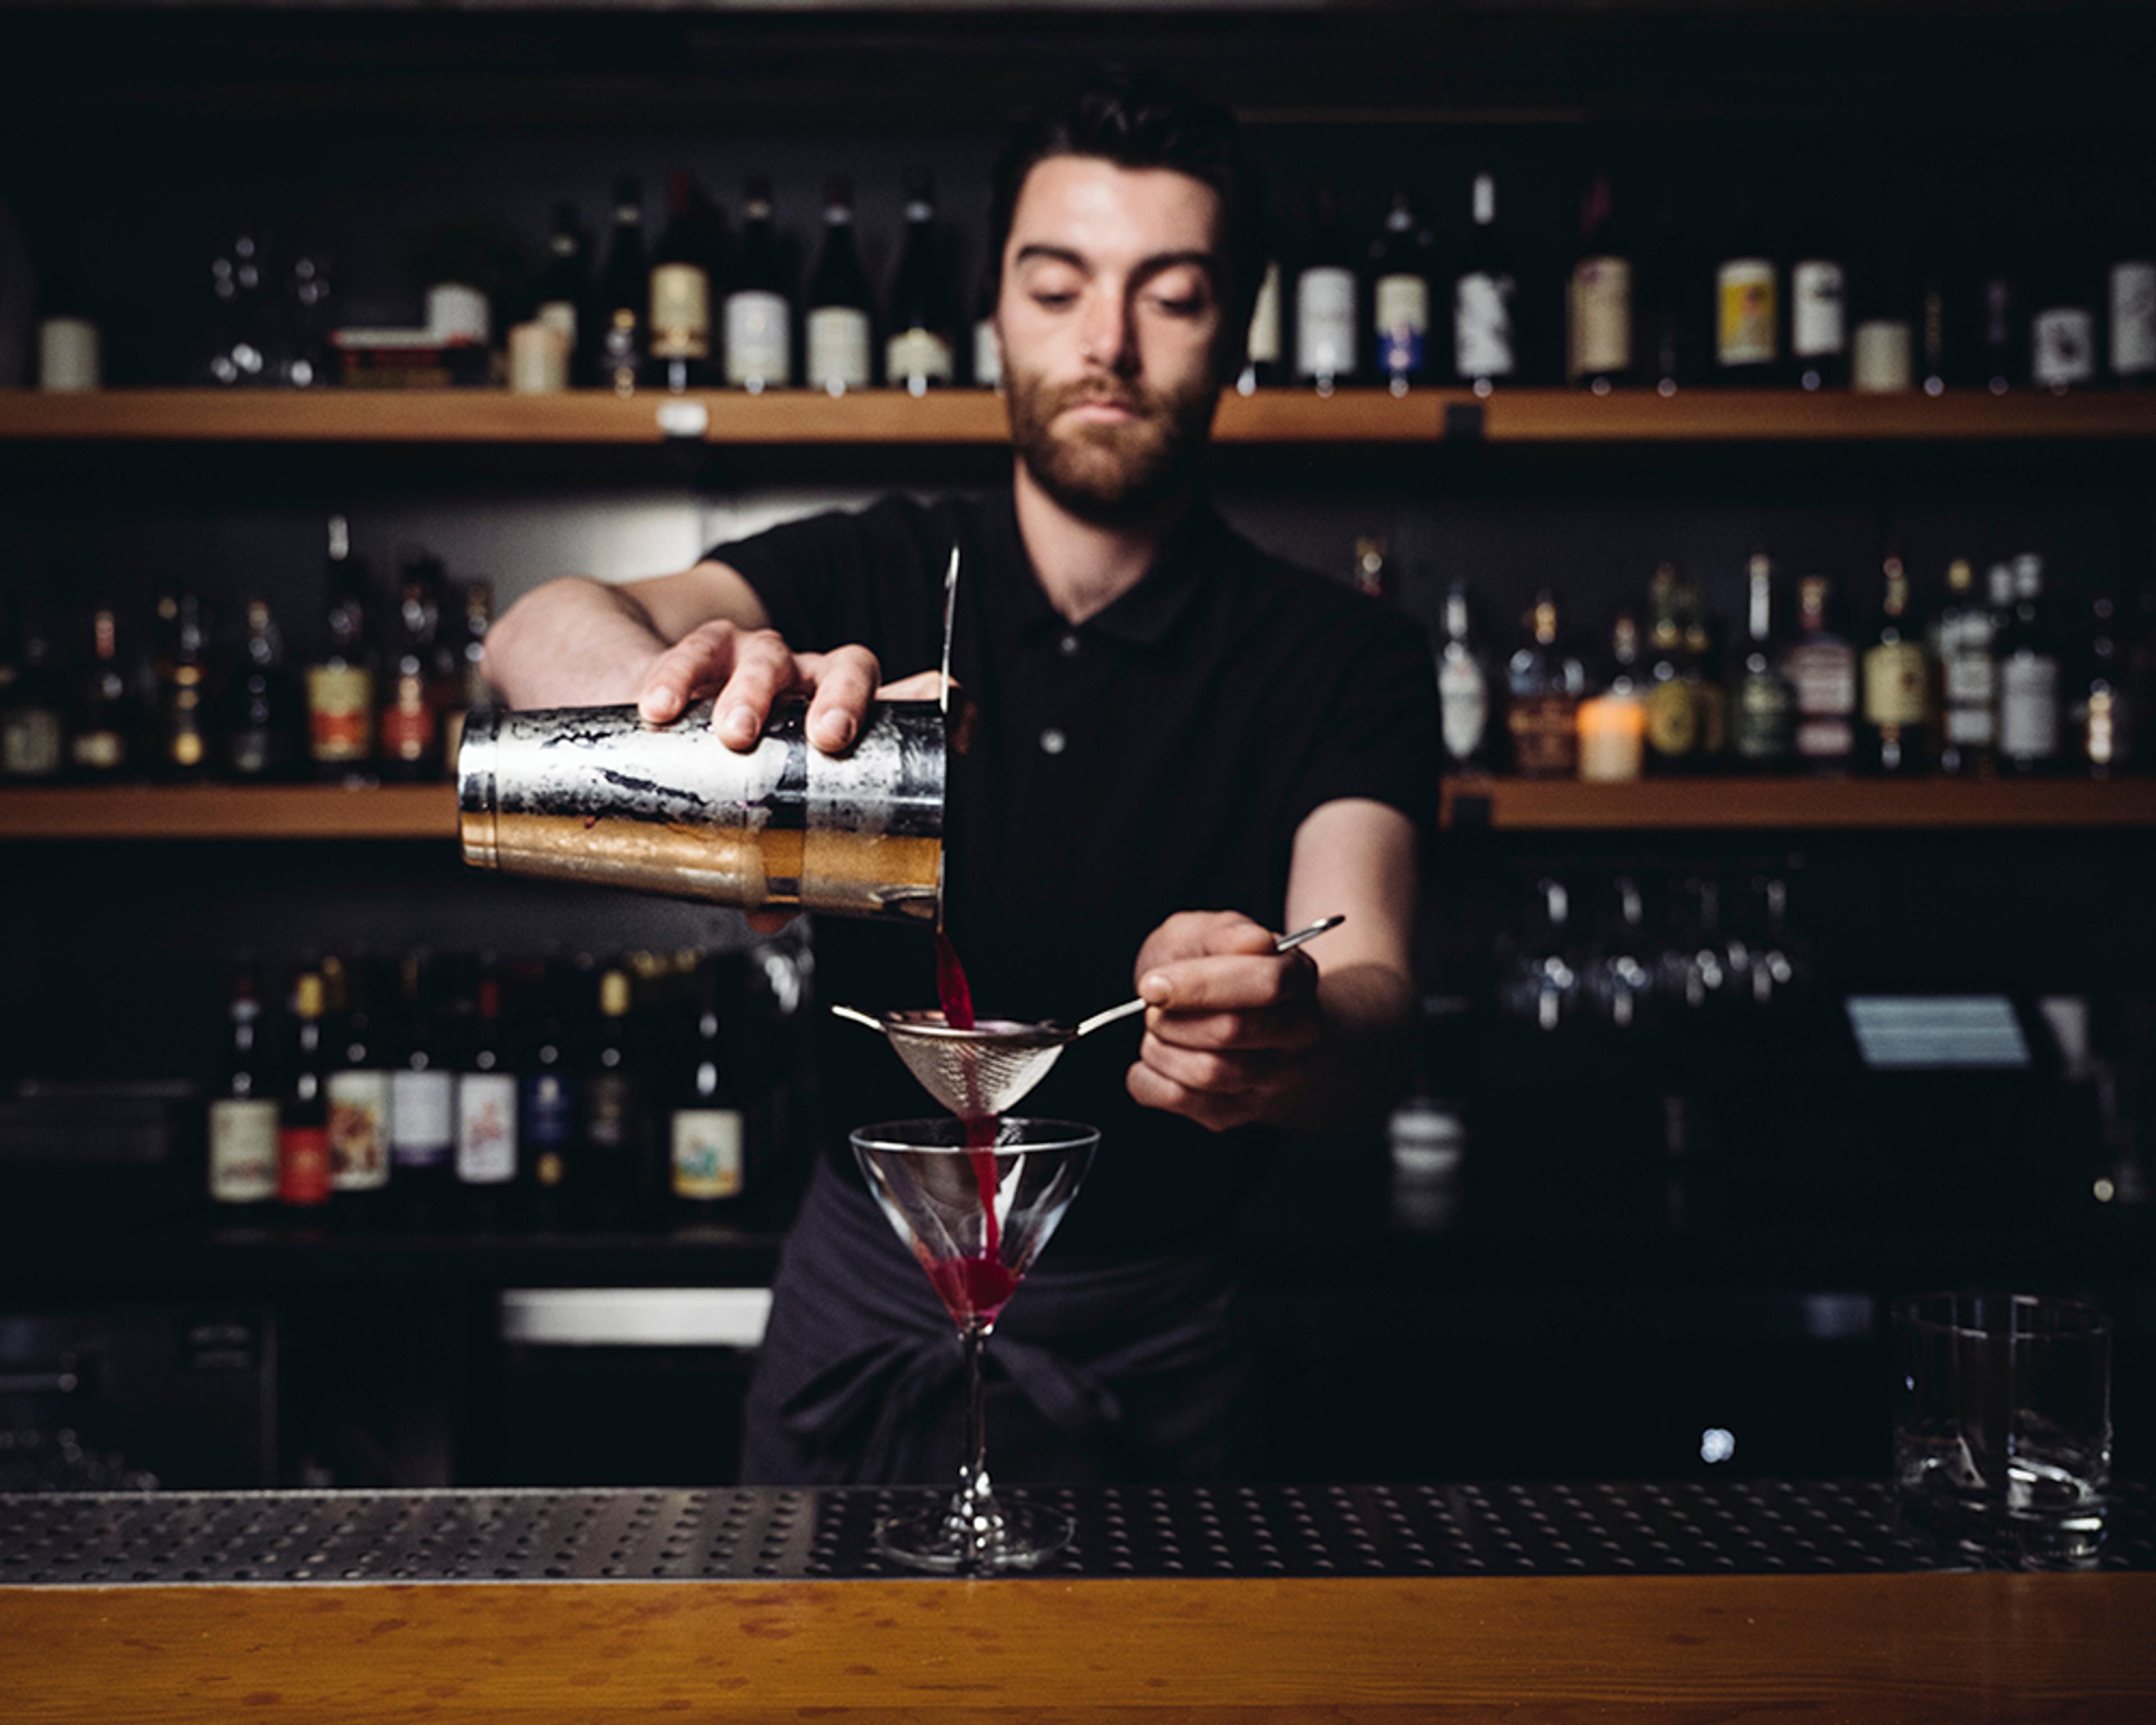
[987,1071]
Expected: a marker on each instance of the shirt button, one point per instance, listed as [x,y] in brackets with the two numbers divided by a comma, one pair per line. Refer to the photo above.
[1052,740]
[1068,646]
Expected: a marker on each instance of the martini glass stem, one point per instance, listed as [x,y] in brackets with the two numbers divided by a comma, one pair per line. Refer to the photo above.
[977,1505]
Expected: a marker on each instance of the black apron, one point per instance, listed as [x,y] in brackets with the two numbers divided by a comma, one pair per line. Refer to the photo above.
[1096,1373]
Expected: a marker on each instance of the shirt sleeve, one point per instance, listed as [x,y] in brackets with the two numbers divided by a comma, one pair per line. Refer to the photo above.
[1373,732]
[817,578]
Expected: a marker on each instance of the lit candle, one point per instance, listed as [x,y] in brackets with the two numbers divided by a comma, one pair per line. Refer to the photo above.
[1613,737]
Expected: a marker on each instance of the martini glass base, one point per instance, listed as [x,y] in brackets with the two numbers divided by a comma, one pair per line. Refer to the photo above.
[956,1537]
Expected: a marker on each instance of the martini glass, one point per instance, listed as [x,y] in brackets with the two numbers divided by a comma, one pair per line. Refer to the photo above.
[974,1214]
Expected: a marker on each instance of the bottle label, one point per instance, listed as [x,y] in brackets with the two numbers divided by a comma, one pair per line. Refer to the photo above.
[1463,694]
[549,1112]
[1745,313]
[486,1128]
[609,1111]
[359,1130]
[838,347]
[1264,343]
[1599,326]
[707,1152]
[759,340]
[303,1164]
[1825,679]
[1972,726]
[1403,309]
[1818,324]
[1672,719]
[242,1149]
[1968,676]
[100,750]
[2133,318]
[2029,707]
[680,312]
[988,355]
[409,721]
[339,712]
[1545,736]
[917,353]
[560,315]
[2062,346]
[1766,716]
[31,743]
[423,1124]
[1895,684]
[1482,325]
[1324,323]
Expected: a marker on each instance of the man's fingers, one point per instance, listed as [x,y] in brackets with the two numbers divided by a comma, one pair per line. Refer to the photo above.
[1150,1090]
[1238,983]
[763,669]
[701,659]
[1283,1029]
[1212,1072]
[922,685]
[845,682]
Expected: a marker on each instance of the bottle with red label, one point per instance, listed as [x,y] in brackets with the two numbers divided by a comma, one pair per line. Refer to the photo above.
[341,683]
[415,695]
[303,1133]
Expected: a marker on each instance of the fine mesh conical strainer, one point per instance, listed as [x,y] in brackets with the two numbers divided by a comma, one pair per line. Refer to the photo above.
[989,1069]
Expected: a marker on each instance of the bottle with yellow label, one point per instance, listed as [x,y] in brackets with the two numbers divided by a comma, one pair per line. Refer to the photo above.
[1898,683]
[1672,697]
[1747,313]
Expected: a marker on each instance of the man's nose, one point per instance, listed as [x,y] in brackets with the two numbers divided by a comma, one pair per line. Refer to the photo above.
[1111,333]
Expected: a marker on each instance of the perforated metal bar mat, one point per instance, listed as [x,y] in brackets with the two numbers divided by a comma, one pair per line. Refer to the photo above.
[1755,1527]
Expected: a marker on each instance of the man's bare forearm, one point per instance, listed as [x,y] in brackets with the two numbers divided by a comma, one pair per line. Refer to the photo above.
[572,643]
[1362,1053]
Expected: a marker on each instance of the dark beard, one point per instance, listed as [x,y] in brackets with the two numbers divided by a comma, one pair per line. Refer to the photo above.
[1111,476]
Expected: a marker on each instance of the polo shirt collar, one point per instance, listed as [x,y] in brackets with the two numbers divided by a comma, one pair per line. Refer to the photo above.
[1144,616]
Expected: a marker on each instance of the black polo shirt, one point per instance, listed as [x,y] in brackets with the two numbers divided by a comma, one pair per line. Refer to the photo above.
[1157,757]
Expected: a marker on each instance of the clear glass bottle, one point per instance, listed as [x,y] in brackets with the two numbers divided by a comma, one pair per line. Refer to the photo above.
[1968,685]
[2029,741]
[1765,732]
[1485,342]
[1463,687]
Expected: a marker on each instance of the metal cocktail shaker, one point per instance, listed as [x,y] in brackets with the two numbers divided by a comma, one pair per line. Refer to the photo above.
[595,794]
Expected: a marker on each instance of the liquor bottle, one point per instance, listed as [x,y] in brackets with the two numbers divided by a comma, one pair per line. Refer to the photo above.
[1484,343]
[565,295]
[1599,350]
[624,290]
[759,312]
[2130,308]
[1372,575]
[33,746]
[358,1089]
[1613,725]
[1710,702]
[1400,310]
[613,1120]
[1672,697]
[988,372]
[1968,687]
[1326,339]
[411,728]
[840,332]
[920,351]
[1765,732]
[546,1111]
[486,1107]
[1942,322]
[1747,323]
[1261,347]
[235,350]
[1543,685]
[468,685]
[183,732]
[263,713]
[1898,682]
[2028,677]
[423,1106]
[2062,323]
[1666,324]
[303,1138]
[1821,667]
[1819,311]
[340,684]
[2105,719]
[243,1114]
[2002,356]
[679,321]
[708,1126]
[102,737]
[1463,688]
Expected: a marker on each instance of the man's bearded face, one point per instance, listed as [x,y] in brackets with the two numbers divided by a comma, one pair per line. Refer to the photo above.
[1107,470]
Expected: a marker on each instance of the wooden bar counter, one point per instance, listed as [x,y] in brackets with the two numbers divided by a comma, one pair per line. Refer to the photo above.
[1897,1650]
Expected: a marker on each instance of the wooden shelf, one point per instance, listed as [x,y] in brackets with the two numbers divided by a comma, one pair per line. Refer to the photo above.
[428,811]
[969,416]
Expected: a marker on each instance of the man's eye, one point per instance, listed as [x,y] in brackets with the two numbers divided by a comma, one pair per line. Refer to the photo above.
[1179,306]
[1049,300]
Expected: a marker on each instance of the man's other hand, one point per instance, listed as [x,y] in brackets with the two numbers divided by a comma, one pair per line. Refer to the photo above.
[1228,1021]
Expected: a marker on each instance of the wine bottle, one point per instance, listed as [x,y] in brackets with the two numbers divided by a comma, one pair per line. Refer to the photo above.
[839,321]
[466,684]
[1325,335]
[759,310]
[2002,356]
[264,715]
[1599,349]
[1896,682]
[423,1102]
[624,291]
[1261,345]
[1710,698]
[1485,344]
[358,1090]
[2062,322]
[303,1139]
[2028,677]
[680,339]
[243,1114]
[920,352]
[183,719]
[102,737]
[708,1126]
[1746,311]
[1400,297]
[1543,686]
[1463,688]
[1943,325]
[33,743]
[614,1124]
[987,371]
[2130,308]
[1968,689]
[565,295]
[411,729]
[1667,324]
[1818,309]
[341,683]
[1766,704]
[546,1111]
[1673,716]
[486,1107]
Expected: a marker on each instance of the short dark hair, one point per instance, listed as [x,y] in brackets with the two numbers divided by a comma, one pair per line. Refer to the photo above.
[1141,119]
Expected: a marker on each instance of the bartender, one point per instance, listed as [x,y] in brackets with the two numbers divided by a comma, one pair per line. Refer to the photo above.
[1184,747]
